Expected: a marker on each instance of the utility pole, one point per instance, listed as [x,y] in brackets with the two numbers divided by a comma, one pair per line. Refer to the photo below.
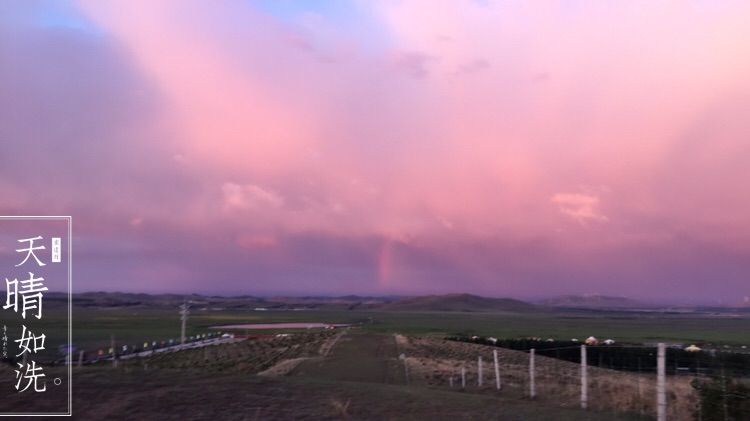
[184,311]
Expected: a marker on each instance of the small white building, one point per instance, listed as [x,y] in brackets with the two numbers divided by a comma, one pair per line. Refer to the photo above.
[692,348]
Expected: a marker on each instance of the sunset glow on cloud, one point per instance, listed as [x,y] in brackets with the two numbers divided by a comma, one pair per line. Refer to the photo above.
[501,148]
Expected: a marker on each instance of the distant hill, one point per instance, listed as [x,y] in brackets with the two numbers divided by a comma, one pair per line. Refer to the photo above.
[123,299]
[457,302]
[245,302]
[593,301]
[347,302]
[450,302]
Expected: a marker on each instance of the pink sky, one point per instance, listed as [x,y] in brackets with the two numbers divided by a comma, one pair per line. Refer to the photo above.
[501,148]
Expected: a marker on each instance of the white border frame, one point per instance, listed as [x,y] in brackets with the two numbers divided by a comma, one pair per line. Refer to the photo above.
[69,220]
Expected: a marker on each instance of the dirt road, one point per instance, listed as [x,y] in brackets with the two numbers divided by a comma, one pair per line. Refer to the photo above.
[360,357]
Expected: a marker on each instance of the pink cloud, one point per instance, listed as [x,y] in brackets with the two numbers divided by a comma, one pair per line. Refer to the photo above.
[414,64]
[249,196]
[224,126]
[581,207]
[256,241]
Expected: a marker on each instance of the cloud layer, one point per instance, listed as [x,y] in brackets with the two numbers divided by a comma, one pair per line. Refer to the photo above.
[496,148]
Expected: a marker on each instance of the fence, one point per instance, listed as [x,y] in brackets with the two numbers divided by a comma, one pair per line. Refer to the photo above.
[653,382]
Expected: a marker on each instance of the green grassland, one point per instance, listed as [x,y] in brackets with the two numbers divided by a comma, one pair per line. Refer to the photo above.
[361,379]
[92,327]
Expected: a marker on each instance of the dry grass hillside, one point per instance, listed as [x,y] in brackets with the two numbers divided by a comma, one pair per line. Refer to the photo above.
[432,362]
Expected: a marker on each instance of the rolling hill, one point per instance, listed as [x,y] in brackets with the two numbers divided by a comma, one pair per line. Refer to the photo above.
[593,301]
[458,302]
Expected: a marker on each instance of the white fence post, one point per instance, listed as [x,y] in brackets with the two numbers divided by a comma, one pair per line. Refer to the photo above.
[497,370]
[406,368]
[532,384]
[479,371]
[584,379]
[80,358]
[463,377]
[450,381]
[114,351]
[661,383]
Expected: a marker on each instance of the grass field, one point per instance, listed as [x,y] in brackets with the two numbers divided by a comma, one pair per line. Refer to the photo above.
[93,327]
[102,393]
[359,378]
[357,373]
